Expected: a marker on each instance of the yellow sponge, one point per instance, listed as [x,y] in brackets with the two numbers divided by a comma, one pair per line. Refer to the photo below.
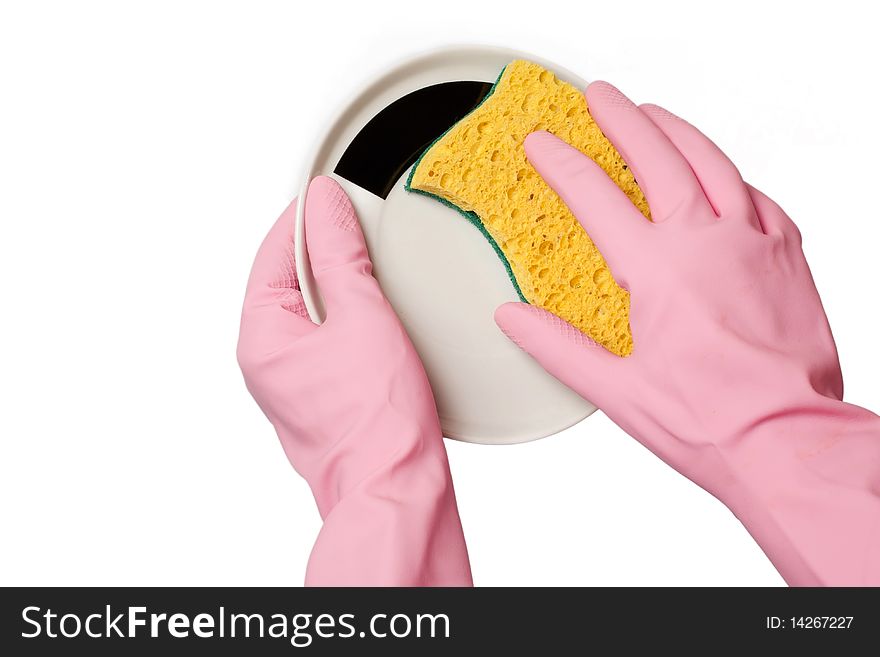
[479,166]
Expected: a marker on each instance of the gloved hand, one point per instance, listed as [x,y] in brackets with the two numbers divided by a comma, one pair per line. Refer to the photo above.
[351,404]
[734,379]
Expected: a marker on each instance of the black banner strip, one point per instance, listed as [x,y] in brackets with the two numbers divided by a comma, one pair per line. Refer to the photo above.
[279,621]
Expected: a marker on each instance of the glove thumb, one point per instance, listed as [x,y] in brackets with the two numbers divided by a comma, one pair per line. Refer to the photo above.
[565,352]
[337,251]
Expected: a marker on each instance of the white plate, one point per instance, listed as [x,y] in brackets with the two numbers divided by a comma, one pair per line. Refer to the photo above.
[441,275]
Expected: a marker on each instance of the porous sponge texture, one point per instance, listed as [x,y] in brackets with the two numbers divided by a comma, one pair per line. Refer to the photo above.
[480,167]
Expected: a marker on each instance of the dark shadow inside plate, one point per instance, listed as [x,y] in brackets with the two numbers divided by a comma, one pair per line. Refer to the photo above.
[393,140]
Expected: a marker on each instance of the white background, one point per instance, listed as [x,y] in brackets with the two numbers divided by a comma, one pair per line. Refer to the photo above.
[146,148]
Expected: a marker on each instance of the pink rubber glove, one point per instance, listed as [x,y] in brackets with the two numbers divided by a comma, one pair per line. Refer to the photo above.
[352,406]
[734,379]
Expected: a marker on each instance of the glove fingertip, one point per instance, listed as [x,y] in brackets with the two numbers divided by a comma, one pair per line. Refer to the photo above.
[524,324]
[507,312]
[328,204]
[333,234]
